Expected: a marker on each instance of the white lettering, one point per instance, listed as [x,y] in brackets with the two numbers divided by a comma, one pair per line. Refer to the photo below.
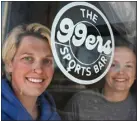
[80,33]
[67,56]
[96,69]
[103,59]
[77,69]
[100,65]
[79,37]
[95,18]
[89,14]
[83,70]
[83,10]
[91,43]
[71,65]
[89,71]
[107,49]
[64,50]
[66,30]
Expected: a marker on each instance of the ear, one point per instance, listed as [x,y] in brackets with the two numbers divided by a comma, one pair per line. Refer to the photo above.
[9,67]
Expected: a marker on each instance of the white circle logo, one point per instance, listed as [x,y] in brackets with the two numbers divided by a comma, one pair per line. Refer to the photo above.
[82,42]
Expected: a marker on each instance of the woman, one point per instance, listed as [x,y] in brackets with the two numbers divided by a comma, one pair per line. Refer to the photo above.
[29,70]
[115,101]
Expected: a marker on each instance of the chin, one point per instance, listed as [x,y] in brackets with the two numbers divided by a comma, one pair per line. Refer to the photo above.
[34,93]
[121,89]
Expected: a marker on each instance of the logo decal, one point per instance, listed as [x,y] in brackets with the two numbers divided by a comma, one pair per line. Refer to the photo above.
[82,42]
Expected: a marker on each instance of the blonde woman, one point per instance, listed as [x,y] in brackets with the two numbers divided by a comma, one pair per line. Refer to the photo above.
[29,70]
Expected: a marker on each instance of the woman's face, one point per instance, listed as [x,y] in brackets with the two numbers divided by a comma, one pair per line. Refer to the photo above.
[123,70]
[32,67]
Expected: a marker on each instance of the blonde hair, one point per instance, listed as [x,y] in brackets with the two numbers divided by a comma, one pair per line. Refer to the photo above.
[15,36]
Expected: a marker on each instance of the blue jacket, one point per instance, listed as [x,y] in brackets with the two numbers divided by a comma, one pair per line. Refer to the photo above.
[12,109]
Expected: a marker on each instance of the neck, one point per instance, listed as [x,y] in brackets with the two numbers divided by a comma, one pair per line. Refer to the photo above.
[29,102]
[114,95]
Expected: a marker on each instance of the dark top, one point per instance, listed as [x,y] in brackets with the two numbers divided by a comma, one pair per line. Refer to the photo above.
[90,105]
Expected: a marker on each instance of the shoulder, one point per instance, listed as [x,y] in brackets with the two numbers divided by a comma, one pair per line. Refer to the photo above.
[5,84]
[49,104]
[49,98]
[48,101]
[4,116]
[79,103]
[132,102]
[87,94]
[132,98]
[83,96]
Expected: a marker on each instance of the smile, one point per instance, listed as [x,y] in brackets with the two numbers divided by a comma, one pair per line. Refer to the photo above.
[34,80]
[120,80]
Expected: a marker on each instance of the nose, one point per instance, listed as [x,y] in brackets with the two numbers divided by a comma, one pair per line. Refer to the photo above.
[121,70]
[37,68]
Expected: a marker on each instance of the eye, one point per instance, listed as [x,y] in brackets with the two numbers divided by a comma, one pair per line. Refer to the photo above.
[113,65]
[48,61]
[28,59]
[128,66]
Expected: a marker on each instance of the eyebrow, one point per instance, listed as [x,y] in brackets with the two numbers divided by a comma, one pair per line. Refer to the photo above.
[115,61]
[49,55]
[130,62]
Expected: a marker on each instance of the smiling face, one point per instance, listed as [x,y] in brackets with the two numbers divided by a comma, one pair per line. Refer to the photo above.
[123,70]
[32,67]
